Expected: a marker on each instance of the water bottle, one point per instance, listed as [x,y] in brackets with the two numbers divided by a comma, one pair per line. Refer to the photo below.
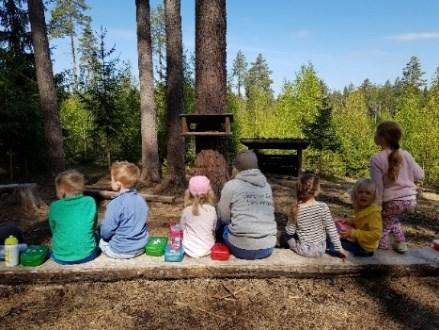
[21,247]
[176,236]
[12,251]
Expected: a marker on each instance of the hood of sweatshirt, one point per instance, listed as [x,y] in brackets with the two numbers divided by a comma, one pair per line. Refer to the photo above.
[253,176]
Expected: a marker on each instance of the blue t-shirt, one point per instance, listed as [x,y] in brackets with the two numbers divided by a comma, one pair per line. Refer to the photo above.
[124,225]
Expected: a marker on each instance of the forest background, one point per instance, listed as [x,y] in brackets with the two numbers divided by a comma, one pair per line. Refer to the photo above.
[99,102]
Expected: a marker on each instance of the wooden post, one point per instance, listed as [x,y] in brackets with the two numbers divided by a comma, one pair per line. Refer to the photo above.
[227,125]
[299,161]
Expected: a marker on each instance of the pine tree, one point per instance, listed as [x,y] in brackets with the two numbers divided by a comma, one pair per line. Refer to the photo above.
[101,96]
[174,93]
[150,154]
[66,15]
[21,127]
[88,48]
[158,39]
[258,80]
[239,71]
[210,85]
[46,85]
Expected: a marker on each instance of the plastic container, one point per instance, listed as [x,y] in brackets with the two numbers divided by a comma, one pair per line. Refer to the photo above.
[34,255]
[436,244]
[21,248]
[220,251]
[12,251]
[172,255]
[341,226]
[156,246]
[175,236]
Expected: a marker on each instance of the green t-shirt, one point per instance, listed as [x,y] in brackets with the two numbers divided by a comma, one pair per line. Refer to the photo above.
[72,222]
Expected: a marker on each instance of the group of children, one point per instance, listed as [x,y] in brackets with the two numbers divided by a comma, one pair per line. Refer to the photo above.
[244,216]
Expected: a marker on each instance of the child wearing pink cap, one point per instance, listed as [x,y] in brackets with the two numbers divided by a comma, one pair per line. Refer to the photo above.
[198,218]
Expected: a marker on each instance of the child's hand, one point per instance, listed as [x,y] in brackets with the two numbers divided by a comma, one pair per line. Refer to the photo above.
[346,232]
[344,253]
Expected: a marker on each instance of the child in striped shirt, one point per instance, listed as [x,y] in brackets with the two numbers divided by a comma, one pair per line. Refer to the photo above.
[311,221]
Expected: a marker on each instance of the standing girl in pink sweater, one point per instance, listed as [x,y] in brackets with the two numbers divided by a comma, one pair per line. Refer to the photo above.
[395,172]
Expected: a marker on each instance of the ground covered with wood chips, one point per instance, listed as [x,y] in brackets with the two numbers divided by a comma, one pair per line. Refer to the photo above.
[338,303]
[379,303]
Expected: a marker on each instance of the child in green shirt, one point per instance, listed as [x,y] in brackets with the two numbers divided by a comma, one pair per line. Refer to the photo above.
[72,221]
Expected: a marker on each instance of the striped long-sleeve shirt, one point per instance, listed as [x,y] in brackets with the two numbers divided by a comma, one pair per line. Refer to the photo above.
[314,224]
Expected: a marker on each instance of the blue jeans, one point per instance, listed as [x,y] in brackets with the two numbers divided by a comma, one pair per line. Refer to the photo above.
[243,253]
[91,257]
[352,247]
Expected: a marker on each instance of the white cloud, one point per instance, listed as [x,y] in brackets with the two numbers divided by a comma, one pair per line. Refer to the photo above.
[414,36]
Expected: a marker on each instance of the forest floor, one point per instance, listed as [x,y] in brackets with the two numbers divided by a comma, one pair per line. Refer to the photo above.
[338,303]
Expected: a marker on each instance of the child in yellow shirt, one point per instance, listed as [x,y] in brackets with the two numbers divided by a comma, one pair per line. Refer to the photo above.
[362,234]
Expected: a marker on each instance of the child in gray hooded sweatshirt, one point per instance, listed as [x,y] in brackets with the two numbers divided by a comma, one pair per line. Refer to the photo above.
[246,207]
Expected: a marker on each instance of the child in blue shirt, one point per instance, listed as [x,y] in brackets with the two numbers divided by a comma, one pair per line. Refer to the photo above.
[124,231]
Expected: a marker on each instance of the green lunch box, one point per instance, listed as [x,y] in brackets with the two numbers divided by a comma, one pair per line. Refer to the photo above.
[156,246]
[34,255]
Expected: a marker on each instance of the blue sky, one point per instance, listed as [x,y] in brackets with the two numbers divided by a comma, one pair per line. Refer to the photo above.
[346,40]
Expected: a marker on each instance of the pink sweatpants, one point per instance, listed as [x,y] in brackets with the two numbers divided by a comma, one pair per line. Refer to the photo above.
[391,213]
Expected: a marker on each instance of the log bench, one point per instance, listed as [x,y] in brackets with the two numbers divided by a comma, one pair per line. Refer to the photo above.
[283,263]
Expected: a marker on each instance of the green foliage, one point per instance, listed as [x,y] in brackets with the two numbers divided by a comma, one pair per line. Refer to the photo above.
[78,129]
[321,132]
[66,14]
[355,131]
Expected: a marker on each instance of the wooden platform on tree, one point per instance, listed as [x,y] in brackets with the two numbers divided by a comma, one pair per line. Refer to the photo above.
[283,263]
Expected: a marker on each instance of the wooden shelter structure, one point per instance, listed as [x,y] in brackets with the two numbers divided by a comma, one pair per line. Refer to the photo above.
[290,164]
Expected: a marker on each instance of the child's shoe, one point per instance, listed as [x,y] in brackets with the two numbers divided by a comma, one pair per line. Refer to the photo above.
[400,247]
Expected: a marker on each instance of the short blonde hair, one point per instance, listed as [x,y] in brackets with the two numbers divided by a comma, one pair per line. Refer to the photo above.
[72,181]
[367,184]
[126,173]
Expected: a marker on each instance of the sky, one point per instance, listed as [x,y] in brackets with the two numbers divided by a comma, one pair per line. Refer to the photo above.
[347,41]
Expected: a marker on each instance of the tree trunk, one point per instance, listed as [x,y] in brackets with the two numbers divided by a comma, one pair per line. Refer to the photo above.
[150,155]
[46,86]
[74,65]
[210,84]
[174,93]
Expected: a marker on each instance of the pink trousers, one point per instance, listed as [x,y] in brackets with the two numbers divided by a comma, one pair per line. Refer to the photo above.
[391,213]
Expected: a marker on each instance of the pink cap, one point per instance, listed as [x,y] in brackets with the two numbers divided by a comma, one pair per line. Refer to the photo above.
[199,185]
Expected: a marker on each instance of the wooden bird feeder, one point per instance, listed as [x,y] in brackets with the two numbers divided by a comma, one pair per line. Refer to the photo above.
[214,125]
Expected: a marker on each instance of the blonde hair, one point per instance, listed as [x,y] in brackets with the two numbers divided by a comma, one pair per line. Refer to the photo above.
[391,133]
[126,173]
[308,186]
[71,181]
[367,184]
[197,201]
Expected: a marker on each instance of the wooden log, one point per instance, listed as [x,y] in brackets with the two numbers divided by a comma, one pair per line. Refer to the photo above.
[108,194]
[11,187]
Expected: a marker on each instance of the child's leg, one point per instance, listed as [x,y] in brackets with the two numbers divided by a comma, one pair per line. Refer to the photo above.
[106,249]
[307,249]
[391,224]
[355,248]
[391,214]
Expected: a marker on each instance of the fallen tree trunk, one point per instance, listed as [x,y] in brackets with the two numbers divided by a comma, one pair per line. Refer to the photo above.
[108,194]
[8,188]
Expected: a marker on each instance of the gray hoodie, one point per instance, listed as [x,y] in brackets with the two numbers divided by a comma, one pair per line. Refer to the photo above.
[246,204]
